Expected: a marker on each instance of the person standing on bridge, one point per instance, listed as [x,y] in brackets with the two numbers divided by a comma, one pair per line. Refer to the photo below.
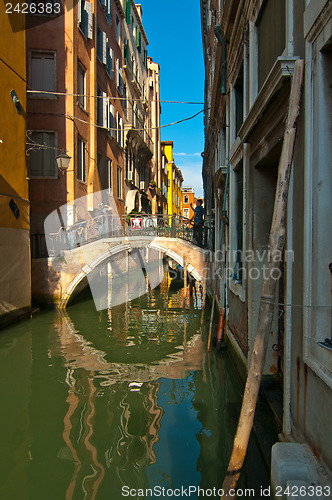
[198,219]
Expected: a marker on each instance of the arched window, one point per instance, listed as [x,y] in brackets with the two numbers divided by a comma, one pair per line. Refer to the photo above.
[186,199]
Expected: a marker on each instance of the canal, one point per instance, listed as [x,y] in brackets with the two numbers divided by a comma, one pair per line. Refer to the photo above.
[100,405]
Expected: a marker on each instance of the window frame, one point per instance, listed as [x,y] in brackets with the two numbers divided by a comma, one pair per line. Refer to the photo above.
[109,168]
[119,182]
[81,69]
[81,140]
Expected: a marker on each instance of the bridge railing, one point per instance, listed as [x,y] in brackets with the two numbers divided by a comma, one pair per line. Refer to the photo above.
[109,226]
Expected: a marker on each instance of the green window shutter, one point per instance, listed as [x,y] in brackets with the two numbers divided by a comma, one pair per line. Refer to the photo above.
[128,11]
[138,39]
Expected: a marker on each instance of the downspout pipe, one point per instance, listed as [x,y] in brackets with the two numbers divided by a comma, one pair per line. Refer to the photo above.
[223,69]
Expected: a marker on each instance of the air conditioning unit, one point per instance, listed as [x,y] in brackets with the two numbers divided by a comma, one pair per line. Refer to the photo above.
[142,185]
[130,175]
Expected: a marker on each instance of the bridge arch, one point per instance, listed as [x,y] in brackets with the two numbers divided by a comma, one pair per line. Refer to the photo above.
[194,271]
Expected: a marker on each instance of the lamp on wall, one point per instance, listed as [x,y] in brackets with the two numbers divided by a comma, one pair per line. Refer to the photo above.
[16,101]
[62,161]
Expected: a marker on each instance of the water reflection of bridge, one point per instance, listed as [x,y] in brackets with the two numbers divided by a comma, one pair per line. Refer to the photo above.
[133,412]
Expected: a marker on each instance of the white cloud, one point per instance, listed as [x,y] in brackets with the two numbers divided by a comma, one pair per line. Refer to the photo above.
[187,154]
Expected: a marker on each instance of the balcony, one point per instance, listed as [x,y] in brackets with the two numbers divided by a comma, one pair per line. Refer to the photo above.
[135,124]
[136,85]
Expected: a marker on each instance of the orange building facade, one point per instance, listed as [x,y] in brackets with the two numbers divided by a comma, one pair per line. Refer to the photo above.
[188,198]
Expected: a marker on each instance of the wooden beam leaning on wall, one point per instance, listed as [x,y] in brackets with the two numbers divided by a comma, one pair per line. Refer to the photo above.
[276,244]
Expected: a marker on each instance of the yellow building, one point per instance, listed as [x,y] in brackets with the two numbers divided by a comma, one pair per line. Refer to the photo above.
[175,179]
[14,192]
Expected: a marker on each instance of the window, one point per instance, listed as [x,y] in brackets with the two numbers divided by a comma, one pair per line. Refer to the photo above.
[128,11]
[42,161]
[239,223]
[186,213]
[125,100]
[120,130]
[102,45]
[109,61]
[109,175]
[81,160]
[112,124]
[117,29]
[99,107]
[186,199]
[108,10]
[85,18]
[100,169]
[271,31]
[43,75]
[138,39]
[238,96]
[81,88]
[119,182]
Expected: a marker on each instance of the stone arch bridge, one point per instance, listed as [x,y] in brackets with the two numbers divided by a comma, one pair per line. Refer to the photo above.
[57,279]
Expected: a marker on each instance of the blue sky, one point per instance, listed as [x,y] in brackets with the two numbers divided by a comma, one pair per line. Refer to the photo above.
[173,28]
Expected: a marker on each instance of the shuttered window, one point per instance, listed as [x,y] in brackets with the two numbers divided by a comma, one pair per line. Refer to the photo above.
[43,75]
[100,169]
[81,159]
[85,18]
[138,39]
[109,63]
[128,11]
[81,90]
[112,124]
[42,161]
[119,182]
[109,175]
[117,29]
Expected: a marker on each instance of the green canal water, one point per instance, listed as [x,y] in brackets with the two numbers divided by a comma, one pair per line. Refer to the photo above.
[101,405]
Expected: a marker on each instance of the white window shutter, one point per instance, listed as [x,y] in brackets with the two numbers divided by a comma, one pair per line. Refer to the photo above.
[108,6]
[104,48]
[112,120]
[79,11]
[112,58]
[117,72]
[88,8]
[117,128]
[121,131]
[105,110]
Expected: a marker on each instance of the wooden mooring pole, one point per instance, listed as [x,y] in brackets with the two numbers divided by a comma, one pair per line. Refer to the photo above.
[185,282]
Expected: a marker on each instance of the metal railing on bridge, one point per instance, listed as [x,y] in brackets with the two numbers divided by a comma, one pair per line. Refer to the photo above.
[109,226]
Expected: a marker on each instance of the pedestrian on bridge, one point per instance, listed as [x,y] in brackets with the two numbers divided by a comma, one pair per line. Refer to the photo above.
[198,219]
